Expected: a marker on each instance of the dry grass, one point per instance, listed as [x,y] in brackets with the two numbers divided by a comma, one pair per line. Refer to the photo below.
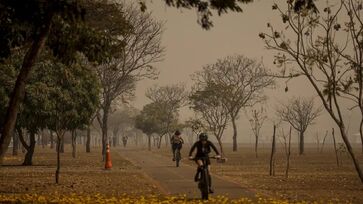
[312,177]
[83,175]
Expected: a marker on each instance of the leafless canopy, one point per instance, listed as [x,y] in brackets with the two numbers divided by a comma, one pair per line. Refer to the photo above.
[240,81]
[299,113]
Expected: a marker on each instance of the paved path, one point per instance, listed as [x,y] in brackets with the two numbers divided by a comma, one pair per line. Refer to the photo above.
[179,180]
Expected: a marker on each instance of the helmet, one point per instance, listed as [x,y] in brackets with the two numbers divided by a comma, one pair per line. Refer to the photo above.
[203,136]
[177,132]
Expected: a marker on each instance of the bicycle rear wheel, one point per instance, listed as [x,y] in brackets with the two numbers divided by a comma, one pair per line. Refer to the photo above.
[204,184]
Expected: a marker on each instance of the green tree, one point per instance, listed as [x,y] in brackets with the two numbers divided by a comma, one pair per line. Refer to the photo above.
[206,102]
[56,24]
[170,98]
[148,121]
[73,99]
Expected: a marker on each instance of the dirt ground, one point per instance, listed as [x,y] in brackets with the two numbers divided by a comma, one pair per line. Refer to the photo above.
[312,177]
[83,175]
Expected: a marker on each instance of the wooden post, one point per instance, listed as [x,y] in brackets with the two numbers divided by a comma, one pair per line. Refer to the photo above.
[288,156]
[335,148]
[272,160]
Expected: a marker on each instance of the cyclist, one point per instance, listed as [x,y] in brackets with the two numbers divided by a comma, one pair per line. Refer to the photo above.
[203,149]
[176,142]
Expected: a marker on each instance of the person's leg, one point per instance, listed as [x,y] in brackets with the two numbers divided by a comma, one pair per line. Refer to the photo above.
[199,169]
[173,149]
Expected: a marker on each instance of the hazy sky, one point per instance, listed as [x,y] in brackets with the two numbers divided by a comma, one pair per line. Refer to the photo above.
[189,47]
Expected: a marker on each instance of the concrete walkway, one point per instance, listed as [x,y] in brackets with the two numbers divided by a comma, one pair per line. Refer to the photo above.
[179,180]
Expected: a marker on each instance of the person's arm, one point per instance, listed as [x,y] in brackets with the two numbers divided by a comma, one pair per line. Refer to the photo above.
[214,148]
[192,149]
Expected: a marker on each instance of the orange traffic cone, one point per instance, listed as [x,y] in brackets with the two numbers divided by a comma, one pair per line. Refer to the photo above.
[108,164]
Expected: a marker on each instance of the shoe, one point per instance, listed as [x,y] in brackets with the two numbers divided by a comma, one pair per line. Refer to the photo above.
[211,190]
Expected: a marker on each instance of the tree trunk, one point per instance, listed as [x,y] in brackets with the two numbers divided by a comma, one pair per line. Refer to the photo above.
[301,143]
[28,160]
[335,148]
[43,139]
[159,142]
[220,146]
[350,151]
[256,145]
[115,141]
[322,145]
[39,139]
[51,140]
[105,129]
[15,144]
[59,142]
[62,144]
[149,142]
[272,160]
[361,132]
[233,119]
[74,144]
[88,143]
[18,92]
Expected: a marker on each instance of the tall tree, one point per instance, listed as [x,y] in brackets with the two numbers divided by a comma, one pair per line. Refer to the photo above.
[208,104]
[310,43]
[171,98]
[142,48]
[149,120]
[239,81]
[73,95]
[55,24]
[257,118]
[300,113]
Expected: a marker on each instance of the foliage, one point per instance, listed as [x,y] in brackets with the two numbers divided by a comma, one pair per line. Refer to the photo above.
[74,27]
[150,119]
[207,102]
[53,85]
[205,8]
[170,98]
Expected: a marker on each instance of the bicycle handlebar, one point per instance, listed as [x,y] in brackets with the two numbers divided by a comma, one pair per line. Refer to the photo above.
[212,157]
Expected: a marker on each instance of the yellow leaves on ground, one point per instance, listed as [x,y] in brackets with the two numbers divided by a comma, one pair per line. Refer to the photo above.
[98,198]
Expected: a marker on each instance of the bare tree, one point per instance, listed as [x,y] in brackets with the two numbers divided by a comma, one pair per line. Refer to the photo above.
[351,85]
[240,82]
[118,77]
[257,119]
[313,47]
[286,141]
[299,113]
[171,98]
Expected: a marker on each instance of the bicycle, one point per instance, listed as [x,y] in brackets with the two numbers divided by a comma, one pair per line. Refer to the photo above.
[203,183]
[177,157]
